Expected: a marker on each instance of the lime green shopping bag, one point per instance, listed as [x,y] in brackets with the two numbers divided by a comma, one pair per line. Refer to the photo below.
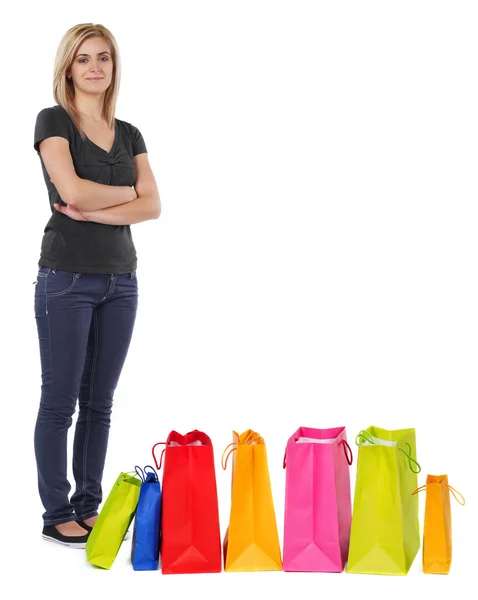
[113,521]
[385,535]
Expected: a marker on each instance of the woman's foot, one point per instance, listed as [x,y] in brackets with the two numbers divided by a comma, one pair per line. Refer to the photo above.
[91,521]
[66,534]
[88,523]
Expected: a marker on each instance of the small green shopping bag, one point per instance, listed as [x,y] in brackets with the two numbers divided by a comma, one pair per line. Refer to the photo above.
[113,521]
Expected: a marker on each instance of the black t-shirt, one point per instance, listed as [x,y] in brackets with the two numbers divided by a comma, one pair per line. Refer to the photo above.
[84,246]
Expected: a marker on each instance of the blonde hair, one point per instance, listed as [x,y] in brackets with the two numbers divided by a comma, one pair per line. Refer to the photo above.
[63,88]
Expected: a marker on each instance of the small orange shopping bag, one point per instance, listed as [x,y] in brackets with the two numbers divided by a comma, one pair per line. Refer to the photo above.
[437,540]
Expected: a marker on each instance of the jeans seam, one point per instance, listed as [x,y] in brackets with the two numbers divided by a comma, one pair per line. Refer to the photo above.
[83,516]
[56,521]
[90,401]
[48,522]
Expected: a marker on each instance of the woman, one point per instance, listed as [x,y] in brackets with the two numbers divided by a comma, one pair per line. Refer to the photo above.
[99,182]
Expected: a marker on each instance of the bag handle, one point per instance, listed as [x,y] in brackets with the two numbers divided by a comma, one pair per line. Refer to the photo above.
[411,461]
[121,476]
[247,442]
[153,472]
[224,462]
[143,473]
[363,435]
[454,492]
[162,453]
[140,473]
[347,452]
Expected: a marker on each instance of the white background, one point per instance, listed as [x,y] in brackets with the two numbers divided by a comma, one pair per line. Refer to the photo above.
[314,263]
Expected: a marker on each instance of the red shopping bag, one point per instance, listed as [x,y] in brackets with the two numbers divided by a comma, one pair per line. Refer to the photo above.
[191,541]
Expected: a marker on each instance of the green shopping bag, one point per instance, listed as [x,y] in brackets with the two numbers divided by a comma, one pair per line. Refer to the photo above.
[385,535]
[113,521]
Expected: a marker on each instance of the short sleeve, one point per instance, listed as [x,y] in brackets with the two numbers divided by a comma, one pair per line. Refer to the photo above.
[49,123]
[137,140]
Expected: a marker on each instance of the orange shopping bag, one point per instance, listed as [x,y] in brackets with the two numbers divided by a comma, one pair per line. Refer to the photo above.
[437,529]
[251,542]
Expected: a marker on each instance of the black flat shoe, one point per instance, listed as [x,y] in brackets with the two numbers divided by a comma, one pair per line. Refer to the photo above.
[84,525]
[51,534]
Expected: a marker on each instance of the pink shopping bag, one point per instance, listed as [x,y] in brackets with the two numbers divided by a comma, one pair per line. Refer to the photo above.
[318,506]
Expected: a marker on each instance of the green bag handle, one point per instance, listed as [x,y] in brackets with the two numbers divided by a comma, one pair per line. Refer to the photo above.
[364,435]
[122,476]
[411,461]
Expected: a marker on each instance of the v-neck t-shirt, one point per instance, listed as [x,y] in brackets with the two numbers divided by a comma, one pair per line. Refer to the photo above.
[85,246]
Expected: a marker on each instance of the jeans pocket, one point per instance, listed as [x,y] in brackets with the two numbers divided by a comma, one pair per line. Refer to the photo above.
[59,283]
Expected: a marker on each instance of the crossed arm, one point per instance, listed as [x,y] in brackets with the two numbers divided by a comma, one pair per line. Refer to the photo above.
[90,201]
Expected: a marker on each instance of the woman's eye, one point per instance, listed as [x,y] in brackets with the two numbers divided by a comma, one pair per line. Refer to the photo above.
[82,59]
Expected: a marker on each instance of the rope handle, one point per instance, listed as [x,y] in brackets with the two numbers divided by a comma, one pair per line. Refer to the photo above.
[162,453]
[364,435]
[152,472]
[411,461]
[234,445]
[140,473]
[454,492]
[224,462]
[347,452]
[121,477]
[422,488]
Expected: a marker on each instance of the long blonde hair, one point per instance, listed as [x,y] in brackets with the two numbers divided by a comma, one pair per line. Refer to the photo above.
[63,88]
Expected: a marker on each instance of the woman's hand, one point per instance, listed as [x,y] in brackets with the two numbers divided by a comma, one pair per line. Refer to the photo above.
[71,212]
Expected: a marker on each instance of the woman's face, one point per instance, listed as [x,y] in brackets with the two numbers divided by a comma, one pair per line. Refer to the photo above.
[92,67]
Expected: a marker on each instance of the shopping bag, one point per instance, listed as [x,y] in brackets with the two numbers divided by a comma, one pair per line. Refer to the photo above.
[146,532]
[191,541]
[113,521]
[318,506]
[437,539]
[385,536]
[251,542]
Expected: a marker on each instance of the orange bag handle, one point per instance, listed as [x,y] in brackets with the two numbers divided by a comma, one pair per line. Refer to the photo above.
[224,462]
[454,492]
[235,444]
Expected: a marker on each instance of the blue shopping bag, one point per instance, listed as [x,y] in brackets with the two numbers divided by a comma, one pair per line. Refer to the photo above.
[146,532]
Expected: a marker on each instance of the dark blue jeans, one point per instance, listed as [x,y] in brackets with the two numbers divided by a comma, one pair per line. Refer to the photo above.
[85,323]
